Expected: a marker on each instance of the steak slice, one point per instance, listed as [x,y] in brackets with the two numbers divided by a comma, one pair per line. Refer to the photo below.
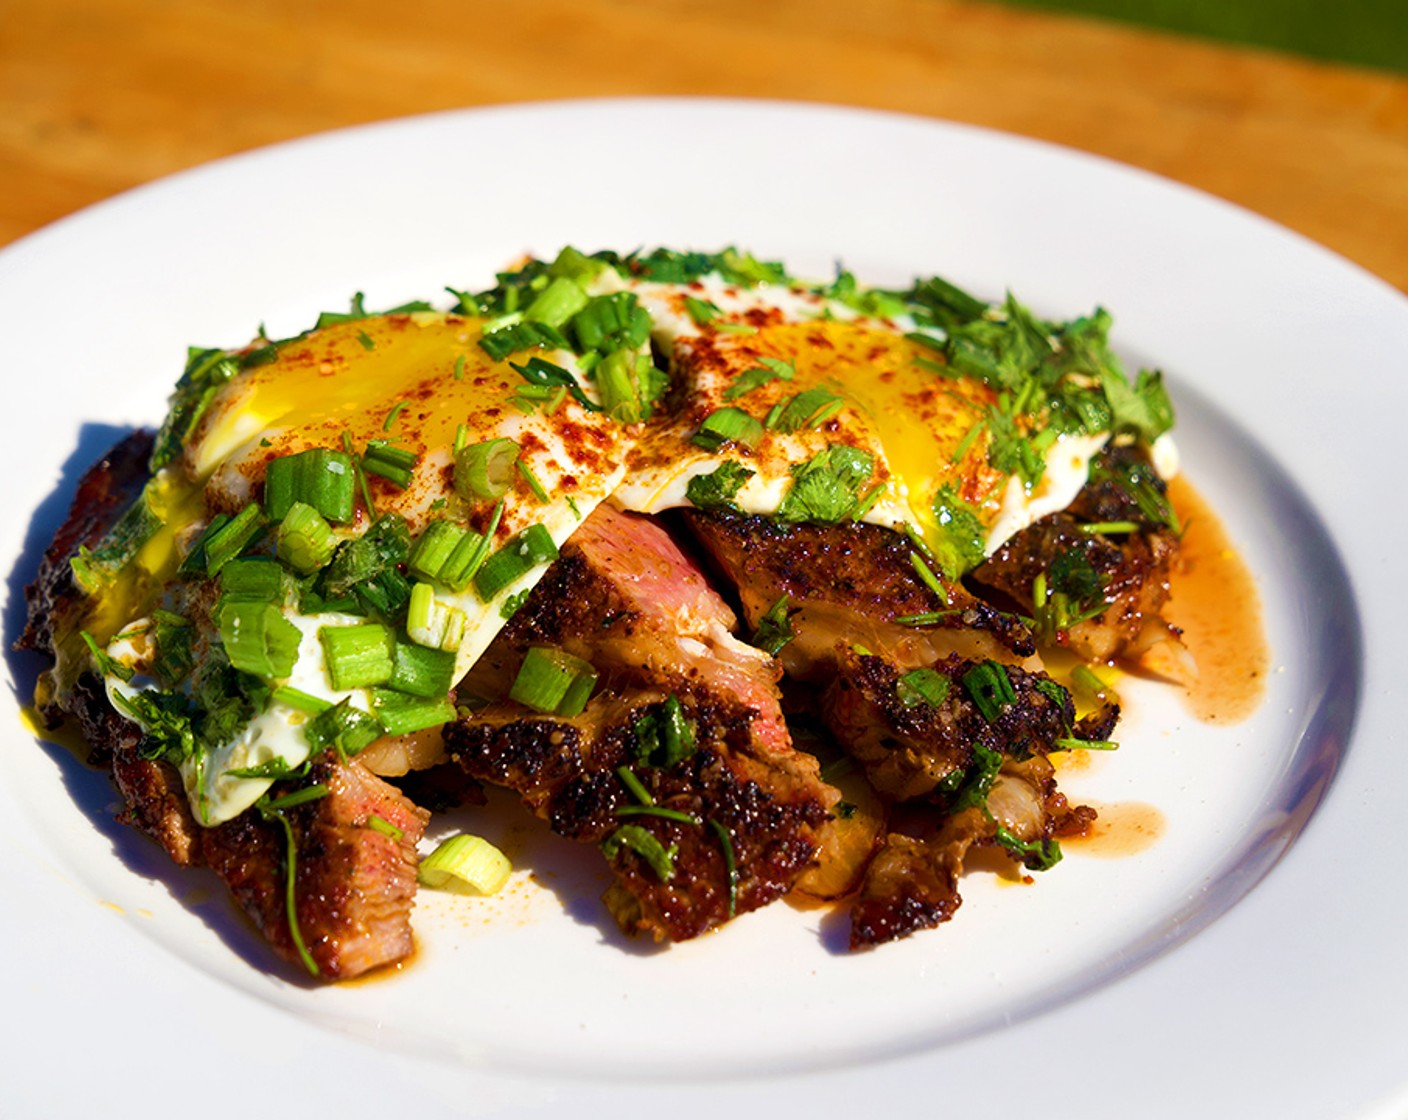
[623,596]
[910,747]
[849,585]
[1129,566]
[353,884]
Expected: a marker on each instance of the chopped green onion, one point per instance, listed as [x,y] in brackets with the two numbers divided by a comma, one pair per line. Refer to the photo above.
[701,310]
[659,811]
[231,538]
[422,671]
[575,265]
[359,476]
[512,338]
[635,785]
[927,577]
[395,464]
[730,864]
[990,687]
[928,618]
[106,664]
[1073,744]
[433,548]
[93,569]
[485,470]
[465,864]
[922,686]
[1110,527]
[728,425]
[271,811]
[319,477]
[357,656]
[432,623]
[523,552]
[341,726]
[808,409]
[557,303]
[401,714]
[553,680]
[541,374]
[258,639]
[1092,687]
[665,735]
[252,581]
[774,628]
[299,700]
[304,540]
[612,322]
[385,827]
[391,416]
[660,858]
[533,484]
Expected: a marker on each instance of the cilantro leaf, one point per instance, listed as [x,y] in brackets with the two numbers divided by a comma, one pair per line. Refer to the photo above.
[962,541]
[718,489]
[826,488]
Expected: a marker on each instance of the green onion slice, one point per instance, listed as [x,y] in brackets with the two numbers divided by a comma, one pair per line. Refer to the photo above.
[485,470]
[465,864]
[553,680]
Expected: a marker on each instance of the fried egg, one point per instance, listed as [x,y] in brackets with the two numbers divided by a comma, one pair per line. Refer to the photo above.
[770,377]
[868,383]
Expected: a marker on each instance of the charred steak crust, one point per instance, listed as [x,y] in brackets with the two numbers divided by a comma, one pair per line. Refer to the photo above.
[566,771]
[104,491]
[865,569]
[354,884]
[908,747]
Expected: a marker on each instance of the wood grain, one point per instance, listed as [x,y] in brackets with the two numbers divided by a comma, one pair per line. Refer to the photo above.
[100,95]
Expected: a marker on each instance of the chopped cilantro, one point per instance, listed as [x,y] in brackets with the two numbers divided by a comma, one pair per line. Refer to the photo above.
[826,488]
[718,489]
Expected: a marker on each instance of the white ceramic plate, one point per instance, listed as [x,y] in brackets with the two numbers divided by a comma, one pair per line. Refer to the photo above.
[1087,992]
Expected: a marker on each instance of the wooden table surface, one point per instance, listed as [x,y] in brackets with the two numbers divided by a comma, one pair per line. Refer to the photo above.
[100,95]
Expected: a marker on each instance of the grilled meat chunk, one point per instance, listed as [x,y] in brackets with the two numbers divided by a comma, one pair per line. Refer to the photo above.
[910,747]
[55,603]
[1113,583]
[623,596]
[353,885]
[912,883]
[848,585]
[748,824]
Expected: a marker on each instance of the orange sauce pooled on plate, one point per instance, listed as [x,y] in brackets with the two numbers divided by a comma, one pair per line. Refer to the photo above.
[1214,601]
[1122,829]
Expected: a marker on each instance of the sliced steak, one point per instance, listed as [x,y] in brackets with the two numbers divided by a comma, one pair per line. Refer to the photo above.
[354,884]
[623,596]
[910,747]
[850,585]
[1117,580]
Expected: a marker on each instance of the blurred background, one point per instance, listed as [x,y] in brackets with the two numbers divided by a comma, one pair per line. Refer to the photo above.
[1297,109]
